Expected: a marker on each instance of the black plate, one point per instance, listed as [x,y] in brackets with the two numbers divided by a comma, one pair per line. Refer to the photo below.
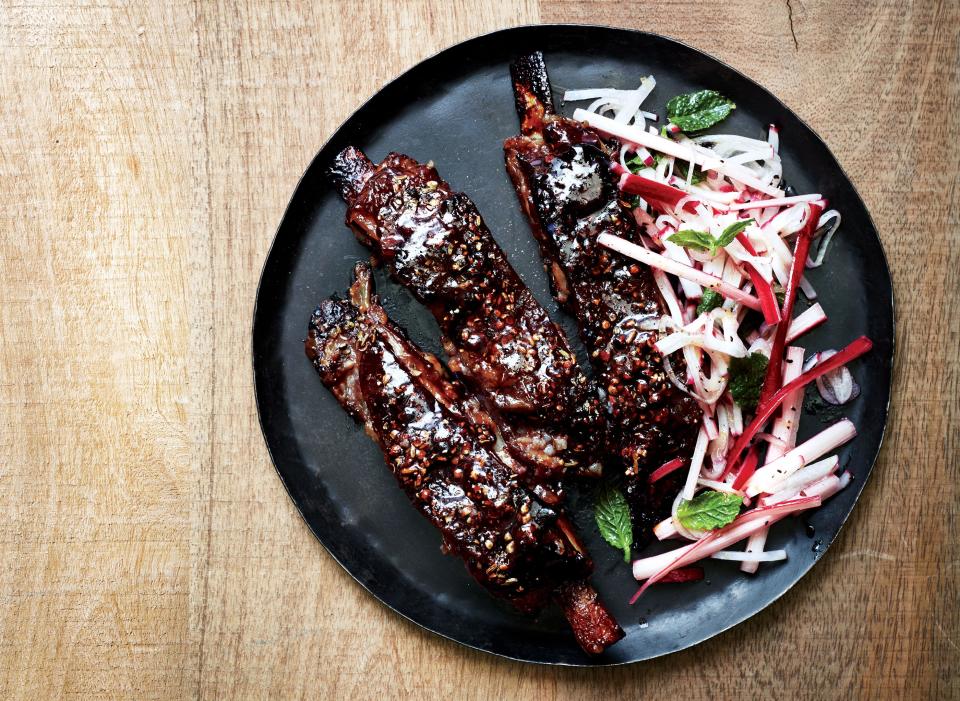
[456,108]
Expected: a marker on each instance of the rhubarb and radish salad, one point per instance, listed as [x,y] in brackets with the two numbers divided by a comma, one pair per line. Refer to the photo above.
[729,244]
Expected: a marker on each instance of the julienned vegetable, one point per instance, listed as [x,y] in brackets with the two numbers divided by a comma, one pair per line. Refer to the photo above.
[727,244]
[652,569]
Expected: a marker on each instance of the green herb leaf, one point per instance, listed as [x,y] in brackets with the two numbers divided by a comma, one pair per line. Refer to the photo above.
[698,240]
[698,110]
[709,510]
[636,164]
[703,241]
[613,520]
[746,379]
[711,300]
[680,170]
[730,233]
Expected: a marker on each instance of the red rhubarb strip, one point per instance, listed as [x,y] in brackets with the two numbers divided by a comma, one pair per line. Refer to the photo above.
[765,409]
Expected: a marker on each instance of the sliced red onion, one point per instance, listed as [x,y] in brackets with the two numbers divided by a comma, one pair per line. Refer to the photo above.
[837,387]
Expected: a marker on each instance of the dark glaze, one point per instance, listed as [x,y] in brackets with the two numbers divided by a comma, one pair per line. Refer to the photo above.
[445,461]
[497,336]
[560,169]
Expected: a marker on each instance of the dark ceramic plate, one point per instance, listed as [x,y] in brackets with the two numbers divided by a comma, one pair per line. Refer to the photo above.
[456,108]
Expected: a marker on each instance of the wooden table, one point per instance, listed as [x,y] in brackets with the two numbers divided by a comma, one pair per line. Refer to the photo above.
[148,549]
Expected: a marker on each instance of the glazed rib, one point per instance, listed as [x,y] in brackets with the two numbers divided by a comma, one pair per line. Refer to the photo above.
[498,338]
[442,450]
[560,170]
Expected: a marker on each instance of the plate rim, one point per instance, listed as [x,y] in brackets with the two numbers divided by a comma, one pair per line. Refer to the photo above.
[636,33]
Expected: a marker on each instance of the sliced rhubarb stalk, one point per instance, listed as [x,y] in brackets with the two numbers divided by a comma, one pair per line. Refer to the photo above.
[828,486]
[768,300]
[765,410]
[653,569]
[784,428]
[746,471]
[666,469]
[684,574]
[653,191]
[772,380]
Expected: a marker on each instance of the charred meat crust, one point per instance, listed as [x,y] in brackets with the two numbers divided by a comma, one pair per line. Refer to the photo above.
[560,171]
[349,171]
[597,630]
[530,72]
[498,338]
[444,460]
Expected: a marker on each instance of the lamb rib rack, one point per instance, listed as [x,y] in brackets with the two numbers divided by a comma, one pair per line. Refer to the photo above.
[497,337]
[440,447]
[560,170]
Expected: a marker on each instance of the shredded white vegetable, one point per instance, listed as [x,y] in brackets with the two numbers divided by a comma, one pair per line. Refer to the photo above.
[689,193]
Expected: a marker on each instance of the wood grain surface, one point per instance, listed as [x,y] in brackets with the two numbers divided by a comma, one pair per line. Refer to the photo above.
[147,152]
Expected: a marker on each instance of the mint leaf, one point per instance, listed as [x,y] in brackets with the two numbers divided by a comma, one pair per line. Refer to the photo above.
[698,110]
[636,164]
[746,379]
[730,233]
[613,519]
[698,240]
[680,170]
[711,300]
[709,510]
[703,241]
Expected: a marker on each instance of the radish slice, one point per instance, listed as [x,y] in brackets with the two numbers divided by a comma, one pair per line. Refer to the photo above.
[771,476]
[802,479]
[817,260]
